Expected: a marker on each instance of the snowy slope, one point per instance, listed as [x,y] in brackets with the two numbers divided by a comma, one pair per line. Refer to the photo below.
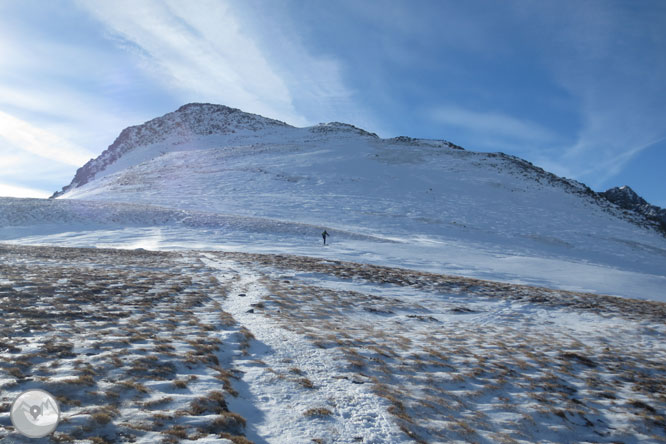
[214,347]
[445,209]
[37,216]
[388,334]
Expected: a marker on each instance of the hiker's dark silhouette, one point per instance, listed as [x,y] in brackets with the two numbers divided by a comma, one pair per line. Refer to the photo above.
[324,234]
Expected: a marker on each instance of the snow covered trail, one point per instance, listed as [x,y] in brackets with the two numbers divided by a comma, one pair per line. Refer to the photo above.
[464,360]
[316,402]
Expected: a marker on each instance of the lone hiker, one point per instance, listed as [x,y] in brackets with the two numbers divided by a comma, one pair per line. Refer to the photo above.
[324,234]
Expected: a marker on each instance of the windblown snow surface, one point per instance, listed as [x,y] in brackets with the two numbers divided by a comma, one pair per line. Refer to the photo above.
[208,176]
[143,346]
[463,296]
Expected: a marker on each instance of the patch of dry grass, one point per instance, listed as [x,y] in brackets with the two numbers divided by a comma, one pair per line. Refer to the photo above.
[440,372]
[317,412]
[109,336]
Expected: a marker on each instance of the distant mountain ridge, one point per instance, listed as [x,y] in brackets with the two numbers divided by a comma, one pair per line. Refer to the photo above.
[190,124]
[204,119]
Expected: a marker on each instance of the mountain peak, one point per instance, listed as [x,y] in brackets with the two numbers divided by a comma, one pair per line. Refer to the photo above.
[221,112]
[627,199]
[220,119]
[624,197]
[202,105]
[188,121]
[340,127]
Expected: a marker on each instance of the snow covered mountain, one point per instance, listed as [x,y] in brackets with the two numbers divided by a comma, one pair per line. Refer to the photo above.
[185,123]
[432,204]
[234,133]
[410,326]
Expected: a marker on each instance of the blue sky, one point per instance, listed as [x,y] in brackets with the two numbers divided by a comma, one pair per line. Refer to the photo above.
[576,87]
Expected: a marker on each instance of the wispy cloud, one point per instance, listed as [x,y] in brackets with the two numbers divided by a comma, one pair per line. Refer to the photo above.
[322,83]
[35,162]
[602,165]
[603,55]
[604,60]
[201,50]
[609,139]
[67,83]
[19,191]
[24,136]
[491,124]
[84,120]
[58,106]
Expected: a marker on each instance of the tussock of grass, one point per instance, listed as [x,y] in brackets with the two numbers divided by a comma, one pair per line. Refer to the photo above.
[305,382]
[177,431]
[155,402]
[101,418]
[179,383]
[227,422]
[212,403]
[317,412]
[236,439]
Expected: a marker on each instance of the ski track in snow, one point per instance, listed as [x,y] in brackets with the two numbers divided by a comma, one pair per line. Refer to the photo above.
[474,364]
[357,414]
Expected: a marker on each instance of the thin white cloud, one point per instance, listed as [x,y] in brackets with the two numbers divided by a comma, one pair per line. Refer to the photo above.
[604,57]
[24,136]
[77,117]
[599,169]
[200,49]
[9,190]
[57,109]
[59,93]
[615,130]
[25,170]
[491,124]
[315,78]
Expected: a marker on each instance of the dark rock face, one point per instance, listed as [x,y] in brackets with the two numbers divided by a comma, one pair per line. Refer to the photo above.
[626,198]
